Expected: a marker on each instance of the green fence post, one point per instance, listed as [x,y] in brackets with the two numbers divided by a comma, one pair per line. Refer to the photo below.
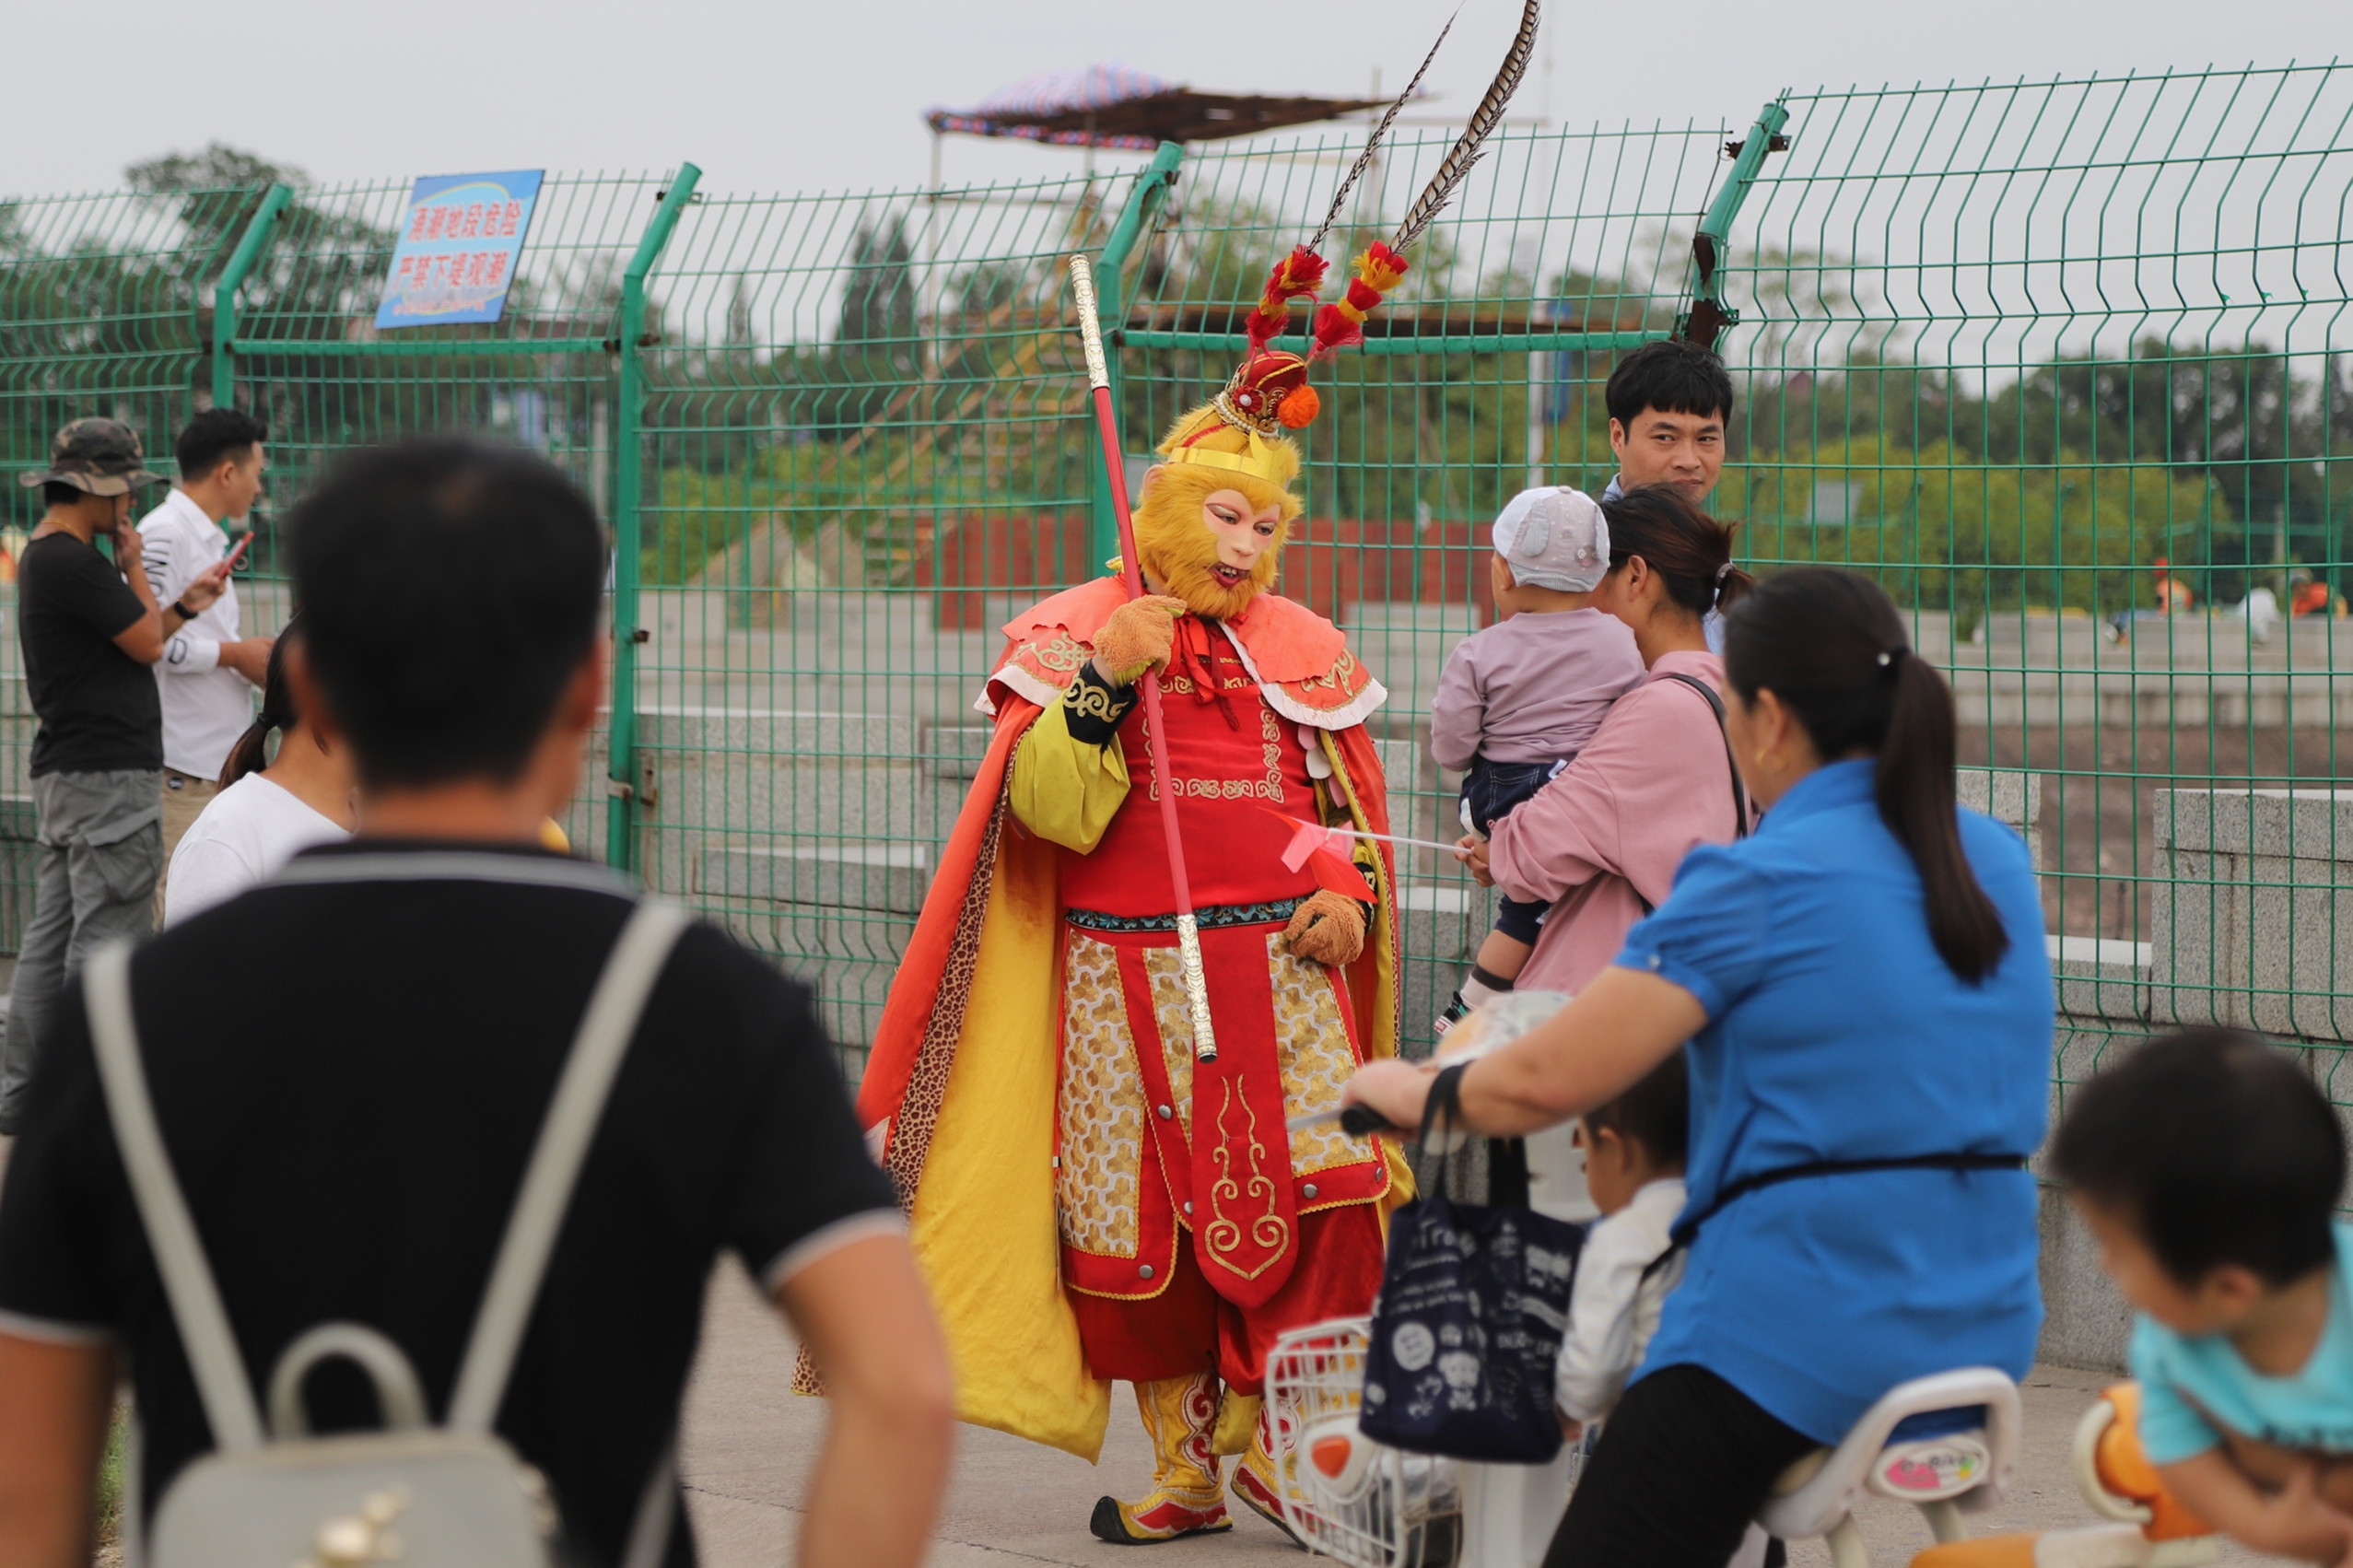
[1709,314]
[624,788]
[1152,186]
[240,263]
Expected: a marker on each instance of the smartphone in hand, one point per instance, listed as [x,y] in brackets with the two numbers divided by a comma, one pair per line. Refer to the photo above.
[229,562]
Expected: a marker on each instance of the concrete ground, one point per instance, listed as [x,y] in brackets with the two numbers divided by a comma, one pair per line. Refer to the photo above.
[749,1441]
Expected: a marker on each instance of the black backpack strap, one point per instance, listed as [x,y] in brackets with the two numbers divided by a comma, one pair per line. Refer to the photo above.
[1739,795]
[1716,705]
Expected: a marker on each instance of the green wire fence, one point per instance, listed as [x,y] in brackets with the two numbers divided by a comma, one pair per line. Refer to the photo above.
[2066,363]
[2009,348]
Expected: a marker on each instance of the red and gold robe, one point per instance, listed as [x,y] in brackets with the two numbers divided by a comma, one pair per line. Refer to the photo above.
[1038,1012]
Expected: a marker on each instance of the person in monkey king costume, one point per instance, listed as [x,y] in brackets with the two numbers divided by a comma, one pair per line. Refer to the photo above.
[1089,1200]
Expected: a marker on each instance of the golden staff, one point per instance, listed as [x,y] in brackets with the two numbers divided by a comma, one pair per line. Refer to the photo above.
[1188,930]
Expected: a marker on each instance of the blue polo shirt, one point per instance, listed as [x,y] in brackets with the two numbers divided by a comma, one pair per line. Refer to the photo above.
[1835,1031]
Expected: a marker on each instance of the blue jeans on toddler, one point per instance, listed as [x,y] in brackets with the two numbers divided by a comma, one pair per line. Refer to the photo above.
[1489,791]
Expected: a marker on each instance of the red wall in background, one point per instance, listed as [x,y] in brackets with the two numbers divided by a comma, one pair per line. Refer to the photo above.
[1327,565]
[995,555]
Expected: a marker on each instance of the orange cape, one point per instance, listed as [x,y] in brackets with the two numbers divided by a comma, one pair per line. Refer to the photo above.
[959,1089]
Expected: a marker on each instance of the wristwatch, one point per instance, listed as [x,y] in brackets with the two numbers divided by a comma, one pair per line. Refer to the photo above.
[180,608]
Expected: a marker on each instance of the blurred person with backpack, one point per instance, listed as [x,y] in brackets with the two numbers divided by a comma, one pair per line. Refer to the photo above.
[346,1160]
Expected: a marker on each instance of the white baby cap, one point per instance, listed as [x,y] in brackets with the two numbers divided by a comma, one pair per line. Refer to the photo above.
[1554,537]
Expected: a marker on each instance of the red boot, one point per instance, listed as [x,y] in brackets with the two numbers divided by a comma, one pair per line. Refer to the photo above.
[1179,1414]
[1258,1486]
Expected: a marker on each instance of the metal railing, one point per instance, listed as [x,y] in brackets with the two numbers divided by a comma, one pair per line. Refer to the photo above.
[2005,347]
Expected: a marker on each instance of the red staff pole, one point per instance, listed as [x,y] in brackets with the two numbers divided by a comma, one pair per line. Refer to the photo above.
[1115,467]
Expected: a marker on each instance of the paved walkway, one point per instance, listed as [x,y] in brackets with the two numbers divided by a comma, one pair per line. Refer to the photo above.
[749,1441]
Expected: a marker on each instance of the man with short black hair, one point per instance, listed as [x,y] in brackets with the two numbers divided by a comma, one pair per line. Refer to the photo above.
[208,670]
[350,1142]
[1669,403]
[87,629]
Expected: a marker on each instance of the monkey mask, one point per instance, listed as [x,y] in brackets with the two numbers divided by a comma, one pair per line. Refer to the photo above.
[1229,465]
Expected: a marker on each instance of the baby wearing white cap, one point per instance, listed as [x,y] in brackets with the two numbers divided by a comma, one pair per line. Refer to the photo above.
[1519,701]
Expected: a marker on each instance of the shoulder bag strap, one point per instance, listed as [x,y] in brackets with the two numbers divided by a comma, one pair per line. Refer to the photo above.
[1716,705]
[213,1356]
[572,1116]
[1442,1112]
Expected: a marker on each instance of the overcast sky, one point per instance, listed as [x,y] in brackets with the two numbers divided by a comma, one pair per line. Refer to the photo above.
[813,94]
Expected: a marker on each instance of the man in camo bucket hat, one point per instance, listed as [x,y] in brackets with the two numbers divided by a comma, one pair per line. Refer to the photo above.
[90,630]
[99,457]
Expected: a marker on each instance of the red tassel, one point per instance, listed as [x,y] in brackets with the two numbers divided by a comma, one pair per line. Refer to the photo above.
[1341,323]
[1382,266]
[1298,275]
[1334,332]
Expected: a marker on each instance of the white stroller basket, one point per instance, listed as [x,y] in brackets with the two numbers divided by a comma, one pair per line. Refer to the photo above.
[1347,1497]
[1367,1506]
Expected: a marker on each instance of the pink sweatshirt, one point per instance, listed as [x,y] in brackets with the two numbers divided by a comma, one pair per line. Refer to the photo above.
[1612,828]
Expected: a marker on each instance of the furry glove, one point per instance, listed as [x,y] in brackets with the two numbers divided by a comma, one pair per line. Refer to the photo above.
[1139,635]
[1328,929]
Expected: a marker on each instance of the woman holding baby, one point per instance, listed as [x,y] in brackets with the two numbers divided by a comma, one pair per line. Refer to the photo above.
[1862,993]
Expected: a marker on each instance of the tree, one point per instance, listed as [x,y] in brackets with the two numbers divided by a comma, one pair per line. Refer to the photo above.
[874,350]
[2234,415]
[1945,529]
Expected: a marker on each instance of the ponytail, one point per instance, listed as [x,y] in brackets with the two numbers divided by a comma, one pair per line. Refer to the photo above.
[251,753]
[1831,646]
[1915,794]
[1691,551]
[1732,585]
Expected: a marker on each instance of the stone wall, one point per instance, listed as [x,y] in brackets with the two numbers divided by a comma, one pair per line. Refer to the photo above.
[2252,894]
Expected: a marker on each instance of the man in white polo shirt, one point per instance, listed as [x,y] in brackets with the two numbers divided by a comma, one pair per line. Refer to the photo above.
[206,677]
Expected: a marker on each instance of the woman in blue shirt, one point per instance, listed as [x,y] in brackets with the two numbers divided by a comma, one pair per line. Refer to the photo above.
[1866,996]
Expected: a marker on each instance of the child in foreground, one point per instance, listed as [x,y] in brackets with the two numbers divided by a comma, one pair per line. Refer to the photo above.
[1634,1148]
[1519,701]
[2209,1166]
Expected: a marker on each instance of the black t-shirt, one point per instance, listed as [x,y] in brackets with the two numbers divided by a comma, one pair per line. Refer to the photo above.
[350,1077]
[97,705]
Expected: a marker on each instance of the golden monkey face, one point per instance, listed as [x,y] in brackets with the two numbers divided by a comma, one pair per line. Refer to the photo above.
[1214,543]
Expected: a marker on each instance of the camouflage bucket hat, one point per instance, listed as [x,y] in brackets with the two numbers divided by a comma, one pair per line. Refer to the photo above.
[97,455]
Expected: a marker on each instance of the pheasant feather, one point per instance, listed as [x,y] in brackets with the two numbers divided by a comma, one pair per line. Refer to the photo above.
[1373,143]
[1483,120]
